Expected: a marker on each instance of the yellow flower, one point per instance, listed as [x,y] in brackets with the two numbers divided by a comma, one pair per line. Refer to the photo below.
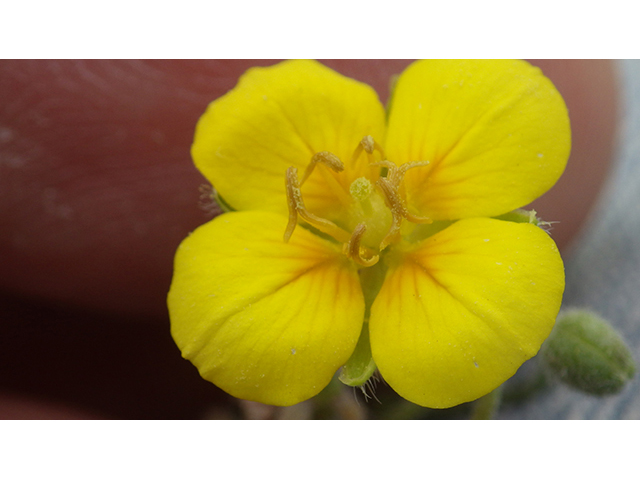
[332,193]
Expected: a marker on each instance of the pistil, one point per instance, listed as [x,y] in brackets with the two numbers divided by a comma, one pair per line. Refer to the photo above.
[365,206]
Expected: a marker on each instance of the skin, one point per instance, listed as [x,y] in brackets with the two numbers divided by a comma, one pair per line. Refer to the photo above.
[97,189]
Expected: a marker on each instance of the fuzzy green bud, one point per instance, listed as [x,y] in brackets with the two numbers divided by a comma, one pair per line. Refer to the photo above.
[584,351]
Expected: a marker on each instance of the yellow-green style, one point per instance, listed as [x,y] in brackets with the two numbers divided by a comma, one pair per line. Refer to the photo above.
[268,302]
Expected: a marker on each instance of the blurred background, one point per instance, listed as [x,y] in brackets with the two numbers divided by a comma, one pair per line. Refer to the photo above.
[97,189]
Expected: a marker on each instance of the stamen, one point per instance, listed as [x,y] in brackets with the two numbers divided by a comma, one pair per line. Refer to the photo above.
[397,174]
[293,193]
[326,158]
[390,188]
[384,163]
[376,146]
[354,251]
[398,178]
[369,145]
[297,207]
[398,210]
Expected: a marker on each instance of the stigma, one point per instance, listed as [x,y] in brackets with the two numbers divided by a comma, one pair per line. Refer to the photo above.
[372,216]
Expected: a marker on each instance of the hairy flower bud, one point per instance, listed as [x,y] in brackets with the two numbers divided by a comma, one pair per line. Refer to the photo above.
[585,352]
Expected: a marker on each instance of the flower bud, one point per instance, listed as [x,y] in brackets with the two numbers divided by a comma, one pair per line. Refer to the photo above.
[584,351]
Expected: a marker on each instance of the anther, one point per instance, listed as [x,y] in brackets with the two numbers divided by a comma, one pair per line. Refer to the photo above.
[297,207]
[326,158]
[354,251]
[369,145]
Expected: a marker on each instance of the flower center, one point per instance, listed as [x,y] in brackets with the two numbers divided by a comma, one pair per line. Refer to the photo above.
[374,216]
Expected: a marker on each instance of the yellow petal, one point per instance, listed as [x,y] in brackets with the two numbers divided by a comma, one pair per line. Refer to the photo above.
[280,116]
[262,319]
[459,312]
[496,134]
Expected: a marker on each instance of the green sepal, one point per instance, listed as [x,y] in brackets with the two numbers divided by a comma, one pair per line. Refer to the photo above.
[522,216]
[224,206]
[393,82]
[360,366]
[425,230]
[371,280]
[584,351]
